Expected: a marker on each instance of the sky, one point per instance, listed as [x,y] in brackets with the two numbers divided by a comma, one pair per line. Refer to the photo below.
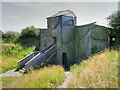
[18,15]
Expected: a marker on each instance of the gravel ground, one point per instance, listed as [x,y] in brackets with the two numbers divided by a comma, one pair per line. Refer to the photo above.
[10,73]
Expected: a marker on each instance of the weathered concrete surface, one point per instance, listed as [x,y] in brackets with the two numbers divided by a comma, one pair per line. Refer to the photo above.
[45,38]
[88,36]
[75,41]
[83,41]
[11,73]
[99,35]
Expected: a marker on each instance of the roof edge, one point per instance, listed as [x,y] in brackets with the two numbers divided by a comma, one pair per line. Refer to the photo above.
[86,24]
[55,15]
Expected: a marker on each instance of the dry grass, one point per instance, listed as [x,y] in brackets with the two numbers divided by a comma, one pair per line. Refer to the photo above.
[48,77]
[100,71]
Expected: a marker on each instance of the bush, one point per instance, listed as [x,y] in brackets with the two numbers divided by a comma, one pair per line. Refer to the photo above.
[17,50]
[95,49]
[11,54]
[9,37]
[29,32]
[114,23]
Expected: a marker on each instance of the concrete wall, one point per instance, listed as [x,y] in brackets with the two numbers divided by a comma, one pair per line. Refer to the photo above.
[68,38]
[55,25]
[83,41]
[45,38]
[99,35]
[88,36]
[30,42]
[63,29]
[75,41]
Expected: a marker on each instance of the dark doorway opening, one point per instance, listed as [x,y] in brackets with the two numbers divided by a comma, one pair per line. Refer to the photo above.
[64,62]
[54,40]
[113,41]
[64,59]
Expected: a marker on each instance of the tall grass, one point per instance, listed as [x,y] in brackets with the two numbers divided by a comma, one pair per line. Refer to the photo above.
[11,54]
[48,77]
[8,63]
[16,50]
[99,71]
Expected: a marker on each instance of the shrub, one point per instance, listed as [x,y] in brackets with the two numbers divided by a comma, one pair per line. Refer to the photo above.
[17,50]
[29,32]
[9,37]
[95,49]
[11,54]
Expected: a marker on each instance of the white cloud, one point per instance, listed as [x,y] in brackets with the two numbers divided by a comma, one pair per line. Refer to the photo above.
[11,16]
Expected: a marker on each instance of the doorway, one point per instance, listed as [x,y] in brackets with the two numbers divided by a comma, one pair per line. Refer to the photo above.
[54,40]
[64,59]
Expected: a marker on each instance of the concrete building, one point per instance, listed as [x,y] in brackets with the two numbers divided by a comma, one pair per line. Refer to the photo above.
[66,43]
[74,43]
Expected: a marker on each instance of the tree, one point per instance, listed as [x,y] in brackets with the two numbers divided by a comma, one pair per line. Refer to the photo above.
[1,32]
[29,37]
[9,37]
[29,32]
[114,23]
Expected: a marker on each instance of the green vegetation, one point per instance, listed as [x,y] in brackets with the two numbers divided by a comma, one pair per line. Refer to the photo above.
[1,32]
[9,37]
[29,32]
[12,53]
[114,23]
[48,77]
[8,63]
[95,49]
[16,50]
[99,71]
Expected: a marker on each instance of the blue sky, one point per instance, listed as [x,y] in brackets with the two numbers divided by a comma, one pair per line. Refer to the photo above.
[18,15]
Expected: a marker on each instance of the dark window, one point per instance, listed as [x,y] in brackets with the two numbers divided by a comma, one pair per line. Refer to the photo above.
[113,41]
[112,38]
[72,22]
[64,59]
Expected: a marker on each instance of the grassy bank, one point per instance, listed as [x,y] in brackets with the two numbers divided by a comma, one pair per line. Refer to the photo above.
[16,50]
[12,53]
[99,71]
[48,77]
[8,63]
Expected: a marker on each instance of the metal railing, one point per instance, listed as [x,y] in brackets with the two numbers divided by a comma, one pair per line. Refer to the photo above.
[37,58]
[22,62]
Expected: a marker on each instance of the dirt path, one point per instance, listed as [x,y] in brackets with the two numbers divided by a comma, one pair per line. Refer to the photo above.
[64,84]
[10,73]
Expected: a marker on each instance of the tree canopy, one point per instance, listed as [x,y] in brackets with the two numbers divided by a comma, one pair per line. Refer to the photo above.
[29,32]
[114,23]
[9,37]
[1,32]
